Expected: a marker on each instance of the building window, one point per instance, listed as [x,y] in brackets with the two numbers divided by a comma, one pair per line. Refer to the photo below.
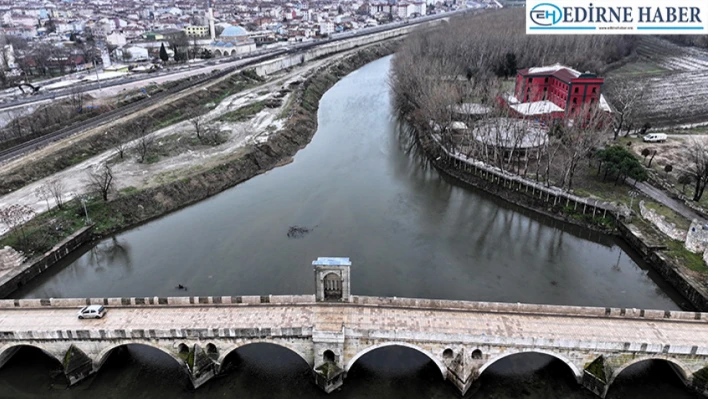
[592,100]
[594,89]
[546,80]
[576,89]
[575,101]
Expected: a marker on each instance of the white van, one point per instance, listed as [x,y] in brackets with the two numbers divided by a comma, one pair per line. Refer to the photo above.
[654,138]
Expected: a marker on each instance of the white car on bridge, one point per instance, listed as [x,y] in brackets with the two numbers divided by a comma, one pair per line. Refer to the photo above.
[92,312]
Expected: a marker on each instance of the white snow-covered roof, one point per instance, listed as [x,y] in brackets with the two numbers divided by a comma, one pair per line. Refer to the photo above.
[536,108]
[553,68]
[510,133]
[604,105]
[458,126]
[470,109]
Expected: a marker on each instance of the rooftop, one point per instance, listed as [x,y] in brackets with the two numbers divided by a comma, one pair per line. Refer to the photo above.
[559,71]
[536,108]
[332,262]
[470,109]
[234,31]
[510,132]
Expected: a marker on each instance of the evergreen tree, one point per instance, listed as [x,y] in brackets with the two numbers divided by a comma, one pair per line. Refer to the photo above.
[163,53]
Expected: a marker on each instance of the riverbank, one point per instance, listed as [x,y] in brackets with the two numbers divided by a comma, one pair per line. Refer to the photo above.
[133,207]
[605,220]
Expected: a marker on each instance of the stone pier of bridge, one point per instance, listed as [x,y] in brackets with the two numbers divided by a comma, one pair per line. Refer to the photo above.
[332,329]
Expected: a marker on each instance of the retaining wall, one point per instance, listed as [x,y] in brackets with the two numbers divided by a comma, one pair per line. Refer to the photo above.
[691,290]
[660,222]
[538,195]
[510,182]
[29,270]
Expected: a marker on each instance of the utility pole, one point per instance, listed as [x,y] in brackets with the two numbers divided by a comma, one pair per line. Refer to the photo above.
[87,221]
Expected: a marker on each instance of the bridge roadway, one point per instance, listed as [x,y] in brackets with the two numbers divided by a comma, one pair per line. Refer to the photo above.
[462,338]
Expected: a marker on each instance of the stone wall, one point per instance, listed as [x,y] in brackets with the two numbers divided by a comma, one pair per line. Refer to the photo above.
[697,238]
[551,201]
[660,222]
[20,275]
[9,259]
[695,292]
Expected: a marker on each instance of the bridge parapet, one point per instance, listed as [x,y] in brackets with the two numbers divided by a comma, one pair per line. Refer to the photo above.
[417,303]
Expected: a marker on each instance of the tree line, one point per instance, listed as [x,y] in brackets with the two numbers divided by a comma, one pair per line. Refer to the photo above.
[469,61]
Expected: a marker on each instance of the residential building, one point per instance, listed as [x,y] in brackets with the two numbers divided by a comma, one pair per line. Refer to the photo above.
[196,31]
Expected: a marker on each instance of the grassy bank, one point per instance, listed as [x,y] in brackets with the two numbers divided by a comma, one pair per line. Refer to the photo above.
[131,207]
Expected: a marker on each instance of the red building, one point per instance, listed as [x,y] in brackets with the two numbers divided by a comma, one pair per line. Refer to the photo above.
[555,92]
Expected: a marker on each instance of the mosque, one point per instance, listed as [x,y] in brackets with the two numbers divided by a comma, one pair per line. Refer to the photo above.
[234,40]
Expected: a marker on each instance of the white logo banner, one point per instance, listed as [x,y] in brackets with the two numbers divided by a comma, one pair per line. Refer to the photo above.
[617,17]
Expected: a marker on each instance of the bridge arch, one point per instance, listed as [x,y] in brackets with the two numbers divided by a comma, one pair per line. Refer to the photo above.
[6,354]
[105,352]
[438,362]
[576,372]
[683,371]
[227,350]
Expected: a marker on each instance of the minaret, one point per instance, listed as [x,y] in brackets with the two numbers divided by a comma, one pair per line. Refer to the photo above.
[211,21]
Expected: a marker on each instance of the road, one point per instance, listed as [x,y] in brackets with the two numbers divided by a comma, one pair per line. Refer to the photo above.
[382,315]
[677,206]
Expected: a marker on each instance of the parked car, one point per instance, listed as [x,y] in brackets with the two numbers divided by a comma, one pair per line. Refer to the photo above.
[654,138]
[92,312]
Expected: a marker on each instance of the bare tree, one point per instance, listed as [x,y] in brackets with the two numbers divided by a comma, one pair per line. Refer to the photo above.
[76,99]
[41,55]
[697,156]
[101,180]
[199,124]
[144,147]
[580,139]
[15,216]
[43,193]
[626,97]
[56,188]
[118,144]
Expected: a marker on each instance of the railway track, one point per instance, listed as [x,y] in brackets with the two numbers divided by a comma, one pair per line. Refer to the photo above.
[109,116]
[120,112]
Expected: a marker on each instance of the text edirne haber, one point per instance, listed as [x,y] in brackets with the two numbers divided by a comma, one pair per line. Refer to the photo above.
[627,14]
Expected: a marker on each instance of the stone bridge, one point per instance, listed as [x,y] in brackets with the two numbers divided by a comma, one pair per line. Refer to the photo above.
[332,329]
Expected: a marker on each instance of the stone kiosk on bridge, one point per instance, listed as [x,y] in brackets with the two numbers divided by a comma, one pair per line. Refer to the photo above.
[332,329]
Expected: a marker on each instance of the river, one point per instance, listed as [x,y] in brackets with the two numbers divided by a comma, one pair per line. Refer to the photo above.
[409,233]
